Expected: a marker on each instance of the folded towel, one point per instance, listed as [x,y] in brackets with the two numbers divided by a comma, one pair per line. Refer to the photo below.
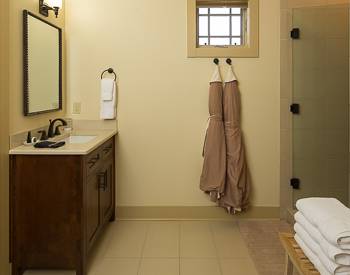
[337,255]
[331,266]
[331,218]
[108,107]
[107,86]
[311,256]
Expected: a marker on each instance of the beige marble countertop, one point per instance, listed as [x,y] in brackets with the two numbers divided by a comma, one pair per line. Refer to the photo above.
[69,148]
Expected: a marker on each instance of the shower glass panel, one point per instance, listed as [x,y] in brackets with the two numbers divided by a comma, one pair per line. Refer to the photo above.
[321,88]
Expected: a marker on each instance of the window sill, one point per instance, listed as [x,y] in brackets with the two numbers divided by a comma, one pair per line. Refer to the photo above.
[225,51]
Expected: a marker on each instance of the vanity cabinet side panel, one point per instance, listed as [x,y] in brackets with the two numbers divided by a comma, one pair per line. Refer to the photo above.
[46,203]
[107,193]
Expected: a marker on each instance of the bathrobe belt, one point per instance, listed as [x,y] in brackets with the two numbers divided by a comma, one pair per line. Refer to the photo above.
[211,118]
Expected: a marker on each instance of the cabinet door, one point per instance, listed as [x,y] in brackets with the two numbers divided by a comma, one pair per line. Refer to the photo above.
[107,191]
[93,210]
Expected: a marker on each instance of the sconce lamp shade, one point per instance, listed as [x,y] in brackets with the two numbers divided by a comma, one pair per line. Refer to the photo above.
[54,3]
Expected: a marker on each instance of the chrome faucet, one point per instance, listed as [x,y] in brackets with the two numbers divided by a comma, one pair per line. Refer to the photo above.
[51,133]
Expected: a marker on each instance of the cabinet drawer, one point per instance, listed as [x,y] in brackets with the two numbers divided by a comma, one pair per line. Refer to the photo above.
[107,149]
[92,161]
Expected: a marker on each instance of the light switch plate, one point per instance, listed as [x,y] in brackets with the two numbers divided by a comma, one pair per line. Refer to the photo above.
[76,108]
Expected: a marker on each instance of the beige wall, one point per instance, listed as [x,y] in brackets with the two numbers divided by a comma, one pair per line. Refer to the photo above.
[4,133]
[163,97]
[18,122]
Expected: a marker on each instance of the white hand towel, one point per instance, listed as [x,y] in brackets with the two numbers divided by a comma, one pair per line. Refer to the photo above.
[330,217]
[332,267]
[339,256]
[107,86]
[311,256]
[108,107]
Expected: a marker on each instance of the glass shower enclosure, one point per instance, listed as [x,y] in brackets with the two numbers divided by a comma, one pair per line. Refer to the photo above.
[320,134]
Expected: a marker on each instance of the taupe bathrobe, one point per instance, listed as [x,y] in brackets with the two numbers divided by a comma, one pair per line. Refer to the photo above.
[214,150]
[237,187]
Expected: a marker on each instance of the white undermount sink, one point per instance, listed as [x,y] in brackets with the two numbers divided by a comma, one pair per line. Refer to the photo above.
[79,139]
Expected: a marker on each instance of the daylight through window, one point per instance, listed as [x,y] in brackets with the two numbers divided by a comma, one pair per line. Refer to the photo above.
[221,26]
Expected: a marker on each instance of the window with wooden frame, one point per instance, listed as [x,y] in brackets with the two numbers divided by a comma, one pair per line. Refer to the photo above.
[223,28]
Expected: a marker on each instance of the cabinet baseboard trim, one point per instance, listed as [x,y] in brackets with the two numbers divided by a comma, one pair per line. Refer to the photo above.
[192,213]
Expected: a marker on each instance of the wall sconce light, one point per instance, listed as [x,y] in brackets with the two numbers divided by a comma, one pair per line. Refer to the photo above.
[46,5]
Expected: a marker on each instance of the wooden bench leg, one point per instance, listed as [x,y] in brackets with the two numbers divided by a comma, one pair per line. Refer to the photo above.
[289,266]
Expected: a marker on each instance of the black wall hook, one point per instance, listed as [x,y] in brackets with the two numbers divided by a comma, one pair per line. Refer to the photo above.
[229,61]
[216,61]
[111,71]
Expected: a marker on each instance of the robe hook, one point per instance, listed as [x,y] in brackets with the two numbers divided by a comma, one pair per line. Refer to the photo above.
[229,61]
[216,61]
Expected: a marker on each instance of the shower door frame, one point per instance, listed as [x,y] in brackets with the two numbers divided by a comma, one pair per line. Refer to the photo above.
[286,99]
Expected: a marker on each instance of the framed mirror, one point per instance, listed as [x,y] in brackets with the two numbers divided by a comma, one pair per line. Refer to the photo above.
[42,68]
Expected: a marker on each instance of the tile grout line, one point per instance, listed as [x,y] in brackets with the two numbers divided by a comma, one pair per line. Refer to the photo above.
[215,245]
[143,248]
[179,242]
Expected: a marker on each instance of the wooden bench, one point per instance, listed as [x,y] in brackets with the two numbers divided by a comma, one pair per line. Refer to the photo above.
[296,257]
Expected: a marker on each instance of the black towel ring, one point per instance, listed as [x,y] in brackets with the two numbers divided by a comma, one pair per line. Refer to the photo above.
[111,71]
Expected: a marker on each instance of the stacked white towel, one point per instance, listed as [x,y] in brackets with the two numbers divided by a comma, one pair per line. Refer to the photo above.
[323,232]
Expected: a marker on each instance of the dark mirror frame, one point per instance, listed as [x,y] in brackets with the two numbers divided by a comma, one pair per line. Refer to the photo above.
[27,13]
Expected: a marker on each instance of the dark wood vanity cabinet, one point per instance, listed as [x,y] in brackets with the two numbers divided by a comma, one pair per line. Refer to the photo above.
[59,206]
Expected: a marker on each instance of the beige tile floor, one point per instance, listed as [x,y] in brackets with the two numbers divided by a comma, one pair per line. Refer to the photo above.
[169,248]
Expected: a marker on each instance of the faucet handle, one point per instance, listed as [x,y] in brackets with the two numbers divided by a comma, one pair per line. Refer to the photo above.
[43,135]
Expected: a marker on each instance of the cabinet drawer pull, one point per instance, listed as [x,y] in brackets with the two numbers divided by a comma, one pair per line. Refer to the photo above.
[102,181]
[93,161]
[107,149]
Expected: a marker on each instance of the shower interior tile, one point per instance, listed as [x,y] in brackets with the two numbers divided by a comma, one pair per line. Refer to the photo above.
[304,83]
[337,85]
[338,143]
[338,53]
[309,143]
[337,23]
[302,18]
[312,114]
[337,115]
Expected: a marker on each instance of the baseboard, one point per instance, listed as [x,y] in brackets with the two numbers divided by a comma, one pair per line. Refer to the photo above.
[192,213]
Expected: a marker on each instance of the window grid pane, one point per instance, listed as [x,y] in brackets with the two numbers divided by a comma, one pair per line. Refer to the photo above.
[220,11]
[220,25]
[203,26]
[202,10]
[217,33]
